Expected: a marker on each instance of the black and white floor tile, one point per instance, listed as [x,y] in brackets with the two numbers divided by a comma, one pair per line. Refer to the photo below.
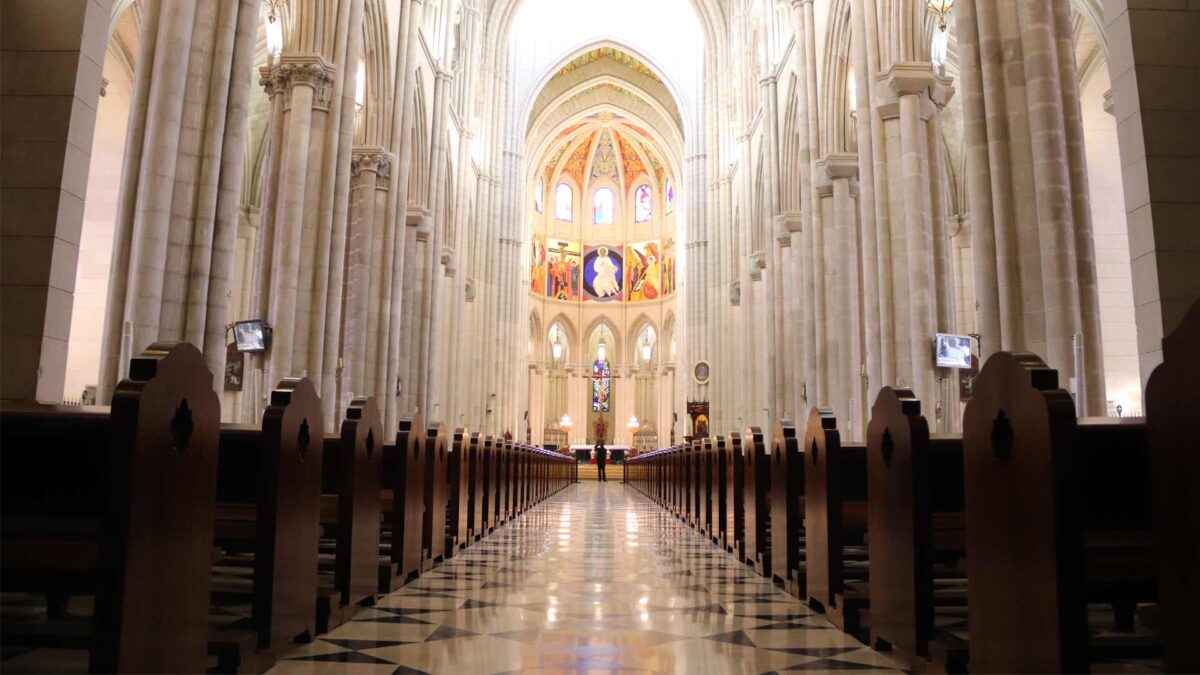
[597,578]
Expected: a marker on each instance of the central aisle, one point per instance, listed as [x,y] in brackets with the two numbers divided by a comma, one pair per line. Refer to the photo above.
[597,577]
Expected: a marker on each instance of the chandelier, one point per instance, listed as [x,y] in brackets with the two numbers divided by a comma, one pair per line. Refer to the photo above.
[942,9]
[272,6]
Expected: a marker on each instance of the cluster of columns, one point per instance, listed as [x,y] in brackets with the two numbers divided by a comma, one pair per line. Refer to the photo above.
[181,182]
[857,275]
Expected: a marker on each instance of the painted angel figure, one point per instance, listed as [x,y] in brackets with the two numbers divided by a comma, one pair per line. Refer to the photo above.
[605,282]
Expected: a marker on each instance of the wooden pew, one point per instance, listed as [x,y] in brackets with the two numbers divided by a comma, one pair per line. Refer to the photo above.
[268,521]
[707,482]
[487,488]
[520,478]
[404,497]
[351,469]
[117,502]
[916,520]
[835,486]
[681,481]
[756,501]
[787,508]
[720,488]
[457,482]
[1058,512]
[735,485]
[435,539]
[511,473]
[695,491]
[1173,426]
[475,486]
[502,472]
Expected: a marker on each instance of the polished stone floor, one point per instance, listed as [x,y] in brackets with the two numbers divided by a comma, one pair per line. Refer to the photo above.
[597,578]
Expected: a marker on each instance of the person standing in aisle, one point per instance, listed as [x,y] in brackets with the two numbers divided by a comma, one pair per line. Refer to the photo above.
[601,460]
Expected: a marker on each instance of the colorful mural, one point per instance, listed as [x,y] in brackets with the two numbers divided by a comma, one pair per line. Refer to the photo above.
[631,162]
[643,271]
[669,189]
[604,159]
[578,159]
[668,267]
[617,55]
[537,264]
[562,270]
[603,273]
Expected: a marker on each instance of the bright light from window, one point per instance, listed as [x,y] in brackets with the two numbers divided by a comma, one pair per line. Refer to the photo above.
[602,207]
[937,50]
[274,30]
[851,91]
[360,85]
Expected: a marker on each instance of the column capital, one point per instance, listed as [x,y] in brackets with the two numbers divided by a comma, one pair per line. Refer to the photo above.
[792,220]
[291,70]
[838,165]
[910,77]
[783,233]
[371,159]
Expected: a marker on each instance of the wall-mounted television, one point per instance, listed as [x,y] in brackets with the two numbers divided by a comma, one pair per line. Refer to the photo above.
[250,336]
[952,351]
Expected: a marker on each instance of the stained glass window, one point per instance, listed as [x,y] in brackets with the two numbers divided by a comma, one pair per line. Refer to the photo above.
[641,204]
[538,204]
[562,202]
[601,385]
[602,207]
[670,190]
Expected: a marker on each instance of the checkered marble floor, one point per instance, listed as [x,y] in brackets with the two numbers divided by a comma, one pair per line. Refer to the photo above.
[597,578]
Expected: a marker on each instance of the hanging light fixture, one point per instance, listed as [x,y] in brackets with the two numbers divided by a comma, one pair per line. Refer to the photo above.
[274,27]
[647,345]
[272,6]
[633,423]
[565,423]
[942,9]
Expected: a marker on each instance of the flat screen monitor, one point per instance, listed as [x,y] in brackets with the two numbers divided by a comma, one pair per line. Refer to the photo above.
[952,351]
[250,336]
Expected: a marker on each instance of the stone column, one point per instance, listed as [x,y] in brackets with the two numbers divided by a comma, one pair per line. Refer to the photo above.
[177,215]
[370,170]
[1154,63]
[299,84]
[1028,187]
[843,329]
[53,56]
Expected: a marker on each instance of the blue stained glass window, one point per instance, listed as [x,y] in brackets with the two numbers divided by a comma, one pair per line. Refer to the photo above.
[601,386]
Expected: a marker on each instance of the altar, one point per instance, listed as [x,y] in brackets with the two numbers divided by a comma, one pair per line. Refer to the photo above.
[583,452]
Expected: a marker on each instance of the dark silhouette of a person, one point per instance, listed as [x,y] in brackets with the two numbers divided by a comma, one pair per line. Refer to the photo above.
[601,460]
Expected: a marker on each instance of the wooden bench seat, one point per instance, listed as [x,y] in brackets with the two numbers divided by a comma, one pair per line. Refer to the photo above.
[268,517]
[116,503]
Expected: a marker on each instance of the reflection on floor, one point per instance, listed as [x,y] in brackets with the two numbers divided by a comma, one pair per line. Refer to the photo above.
[597,578]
